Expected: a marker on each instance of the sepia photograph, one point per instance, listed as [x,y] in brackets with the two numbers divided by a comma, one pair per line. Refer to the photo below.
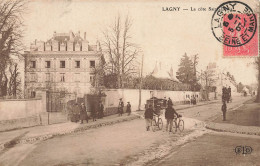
[129,83]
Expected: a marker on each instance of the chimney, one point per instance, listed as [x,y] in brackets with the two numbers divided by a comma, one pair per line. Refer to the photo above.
[84,35]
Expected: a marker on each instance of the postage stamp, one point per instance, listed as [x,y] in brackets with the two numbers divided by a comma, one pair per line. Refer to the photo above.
[235,25]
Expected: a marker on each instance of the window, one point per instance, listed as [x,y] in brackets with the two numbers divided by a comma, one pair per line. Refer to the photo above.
[77,63]
[33,64]
[47,64]
[62,77]
[33,94]
[92,64]
[33,77]
[62,64]
[91,79]
[47,77]
[77,77]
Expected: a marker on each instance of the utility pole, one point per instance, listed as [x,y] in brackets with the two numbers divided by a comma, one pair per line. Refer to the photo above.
[141,83]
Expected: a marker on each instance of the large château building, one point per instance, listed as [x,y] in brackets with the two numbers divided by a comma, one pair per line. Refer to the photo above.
[65,63]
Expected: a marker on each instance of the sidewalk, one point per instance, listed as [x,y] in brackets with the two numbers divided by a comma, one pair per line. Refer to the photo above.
[32,134]
[243,119]
[37,133]
[186,106]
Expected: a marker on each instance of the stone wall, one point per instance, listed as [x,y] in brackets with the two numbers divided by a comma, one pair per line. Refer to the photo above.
[132,96]
[19,113]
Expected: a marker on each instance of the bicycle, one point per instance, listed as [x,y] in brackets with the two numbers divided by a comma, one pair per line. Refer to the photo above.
[158,123]
[178,123]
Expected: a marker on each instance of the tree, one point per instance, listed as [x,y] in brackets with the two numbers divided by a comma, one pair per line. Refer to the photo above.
[122,52]
[208,77]
[11,30]
[195,83]
[14,82]
[186,72]
[258,75]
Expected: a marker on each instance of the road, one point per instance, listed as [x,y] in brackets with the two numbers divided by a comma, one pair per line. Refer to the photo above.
[214,149]
[120,144]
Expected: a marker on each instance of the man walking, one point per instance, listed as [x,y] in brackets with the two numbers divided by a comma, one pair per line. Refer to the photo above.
[120,107]
[169,116]
[93,112]
[83,113]
[101,110]
[224,110]
[148,115]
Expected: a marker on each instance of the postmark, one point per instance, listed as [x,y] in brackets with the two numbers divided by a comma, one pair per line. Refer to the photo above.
[234,24]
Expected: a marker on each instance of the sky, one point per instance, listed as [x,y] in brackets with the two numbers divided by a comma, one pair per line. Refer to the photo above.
[164,36]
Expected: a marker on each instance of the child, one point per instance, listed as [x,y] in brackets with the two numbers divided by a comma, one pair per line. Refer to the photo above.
[128,108]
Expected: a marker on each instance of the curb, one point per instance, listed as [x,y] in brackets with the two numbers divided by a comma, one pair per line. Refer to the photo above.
[232,127]
[248,130]
[16,140]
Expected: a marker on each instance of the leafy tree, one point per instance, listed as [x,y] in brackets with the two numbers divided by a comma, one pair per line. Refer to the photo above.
[109,80]
[186,72]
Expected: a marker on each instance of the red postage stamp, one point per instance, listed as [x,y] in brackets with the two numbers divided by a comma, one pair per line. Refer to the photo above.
[235,25]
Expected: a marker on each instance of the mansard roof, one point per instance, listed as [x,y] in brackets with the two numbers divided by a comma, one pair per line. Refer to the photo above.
[65,37]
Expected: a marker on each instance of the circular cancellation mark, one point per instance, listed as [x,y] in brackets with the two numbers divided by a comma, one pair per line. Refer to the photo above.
[233,23]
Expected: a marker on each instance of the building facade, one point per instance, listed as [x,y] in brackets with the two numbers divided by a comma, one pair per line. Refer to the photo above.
[218,78]
[65,63]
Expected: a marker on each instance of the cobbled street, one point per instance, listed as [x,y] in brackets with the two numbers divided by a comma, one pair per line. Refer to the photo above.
[128,143]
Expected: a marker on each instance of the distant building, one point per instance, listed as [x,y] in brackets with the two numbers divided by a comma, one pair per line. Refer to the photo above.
[65,63]
[161,72]
[161,79]
[218,79]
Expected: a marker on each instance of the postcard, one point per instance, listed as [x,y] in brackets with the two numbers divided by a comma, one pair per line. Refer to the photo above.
[143,82]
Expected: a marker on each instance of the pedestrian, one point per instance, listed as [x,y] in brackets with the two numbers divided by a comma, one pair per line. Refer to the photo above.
[128,108]
[148,115]
[83,113]
[194,100]
[120,107]
[101,110]
[224,110]
[93,113]
[77,112]
[169,116]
